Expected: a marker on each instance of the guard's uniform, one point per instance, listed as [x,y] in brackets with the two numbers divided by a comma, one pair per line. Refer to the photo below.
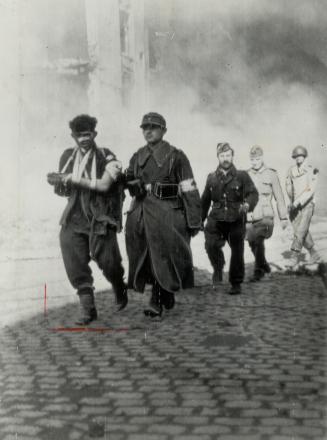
[225,222]
[90,223]
[161,219]
[261,221]
[301,184]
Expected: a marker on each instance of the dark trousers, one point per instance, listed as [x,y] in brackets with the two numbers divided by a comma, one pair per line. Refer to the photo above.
[216,234]
[159,294]
[257,233]
[79,248]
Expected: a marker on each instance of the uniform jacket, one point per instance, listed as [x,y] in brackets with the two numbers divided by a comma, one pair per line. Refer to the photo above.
[301,184]
[227,193]
[267,183]
[158,229]
[105,208]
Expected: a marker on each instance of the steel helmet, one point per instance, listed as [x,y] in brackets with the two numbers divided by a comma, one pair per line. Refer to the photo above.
[299,151]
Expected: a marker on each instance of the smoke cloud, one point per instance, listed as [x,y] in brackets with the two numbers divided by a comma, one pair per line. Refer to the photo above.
[244,71]
[249,72]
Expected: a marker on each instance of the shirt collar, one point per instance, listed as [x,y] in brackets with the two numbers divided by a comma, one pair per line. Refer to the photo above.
[260,170]
[231,171]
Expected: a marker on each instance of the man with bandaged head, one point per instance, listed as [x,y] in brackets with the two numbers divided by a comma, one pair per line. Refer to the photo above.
[231,194]
[91,179]
[164,214]
[261,221]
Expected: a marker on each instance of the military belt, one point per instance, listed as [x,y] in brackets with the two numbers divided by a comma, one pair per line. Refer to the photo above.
[165,190]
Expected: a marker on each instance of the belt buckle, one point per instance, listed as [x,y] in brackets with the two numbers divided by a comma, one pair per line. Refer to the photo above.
[157,192]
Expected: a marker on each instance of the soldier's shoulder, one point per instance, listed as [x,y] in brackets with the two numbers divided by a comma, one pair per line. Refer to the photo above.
[243,174]
[67,153]
[291,169]
[69,150]
[107,153]
[179,152]
[271,172]
[140,150]
[211,176]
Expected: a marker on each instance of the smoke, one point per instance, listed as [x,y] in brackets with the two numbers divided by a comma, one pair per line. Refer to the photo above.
[244,71]
[248,72]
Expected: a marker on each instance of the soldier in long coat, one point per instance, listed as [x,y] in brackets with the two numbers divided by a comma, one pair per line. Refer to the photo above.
[90,178]
[165,212]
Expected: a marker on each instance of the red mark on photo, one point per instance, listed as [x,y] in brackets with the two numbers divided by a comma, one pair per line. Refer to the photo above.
[88,329]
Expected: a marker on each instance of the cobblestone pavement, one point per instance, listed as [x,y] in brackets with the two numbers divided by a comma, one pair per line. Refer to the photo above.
[215,367]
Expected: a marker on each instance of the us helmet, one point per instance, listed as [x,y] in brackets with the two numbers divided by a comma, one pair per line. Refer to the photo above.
[299,151]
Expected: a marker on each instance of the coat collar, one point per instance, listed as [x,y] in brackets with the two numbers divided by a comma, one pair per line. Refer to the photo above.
[260,170]
[160,153]
[229,176]
[230,172]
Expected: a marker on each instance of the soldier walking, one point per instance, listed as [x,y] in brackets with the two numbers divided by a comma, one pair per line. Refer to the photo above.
[301,182]
[261,221]
[165,212]
[232,194]
[89,177]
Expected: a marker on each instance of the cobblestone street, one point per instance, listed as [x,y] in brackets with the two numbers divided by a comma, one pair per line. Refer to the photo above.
[216,367]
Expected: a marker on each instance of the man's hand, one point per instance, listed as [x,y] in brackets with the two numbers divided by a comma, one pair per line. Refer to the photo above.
[55,178]
[67,178]
[114,169]
[194,231]
[136,188]
[244,208]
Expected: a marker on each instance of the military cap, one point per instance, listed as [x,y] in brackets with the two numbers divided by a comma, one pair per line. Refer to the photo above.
[83,123]
[153,119]
[222,147]
[299,151]
[256,151]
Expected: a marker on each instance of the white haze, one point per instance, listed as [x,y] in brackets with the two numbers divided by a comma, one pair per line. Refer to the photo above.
[248,72]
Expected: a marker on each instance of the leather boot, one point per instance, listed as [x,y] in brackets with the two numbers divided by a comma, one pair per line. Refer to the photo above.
[257,276]
[294,261]
[88,312]
[167,299]
[121,298]
[314,256]
[154,308]
[266,267]
[236,289]
[217,277]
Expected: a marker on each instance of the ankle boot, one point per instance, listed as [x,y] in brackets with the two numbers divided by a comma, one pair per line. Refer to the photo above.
[217,277]
[88,311]
[154,308]
[121,298]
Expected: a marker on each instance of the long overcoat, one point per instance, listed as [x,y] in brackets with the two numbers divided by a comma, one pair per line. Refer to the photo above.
[158,231]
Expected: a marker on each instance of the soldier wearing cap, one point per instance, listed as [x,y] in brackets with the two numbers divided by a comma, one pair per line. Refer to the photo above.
[165,212]
[301,182]
[261,221]
[232,195]
[91,179]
